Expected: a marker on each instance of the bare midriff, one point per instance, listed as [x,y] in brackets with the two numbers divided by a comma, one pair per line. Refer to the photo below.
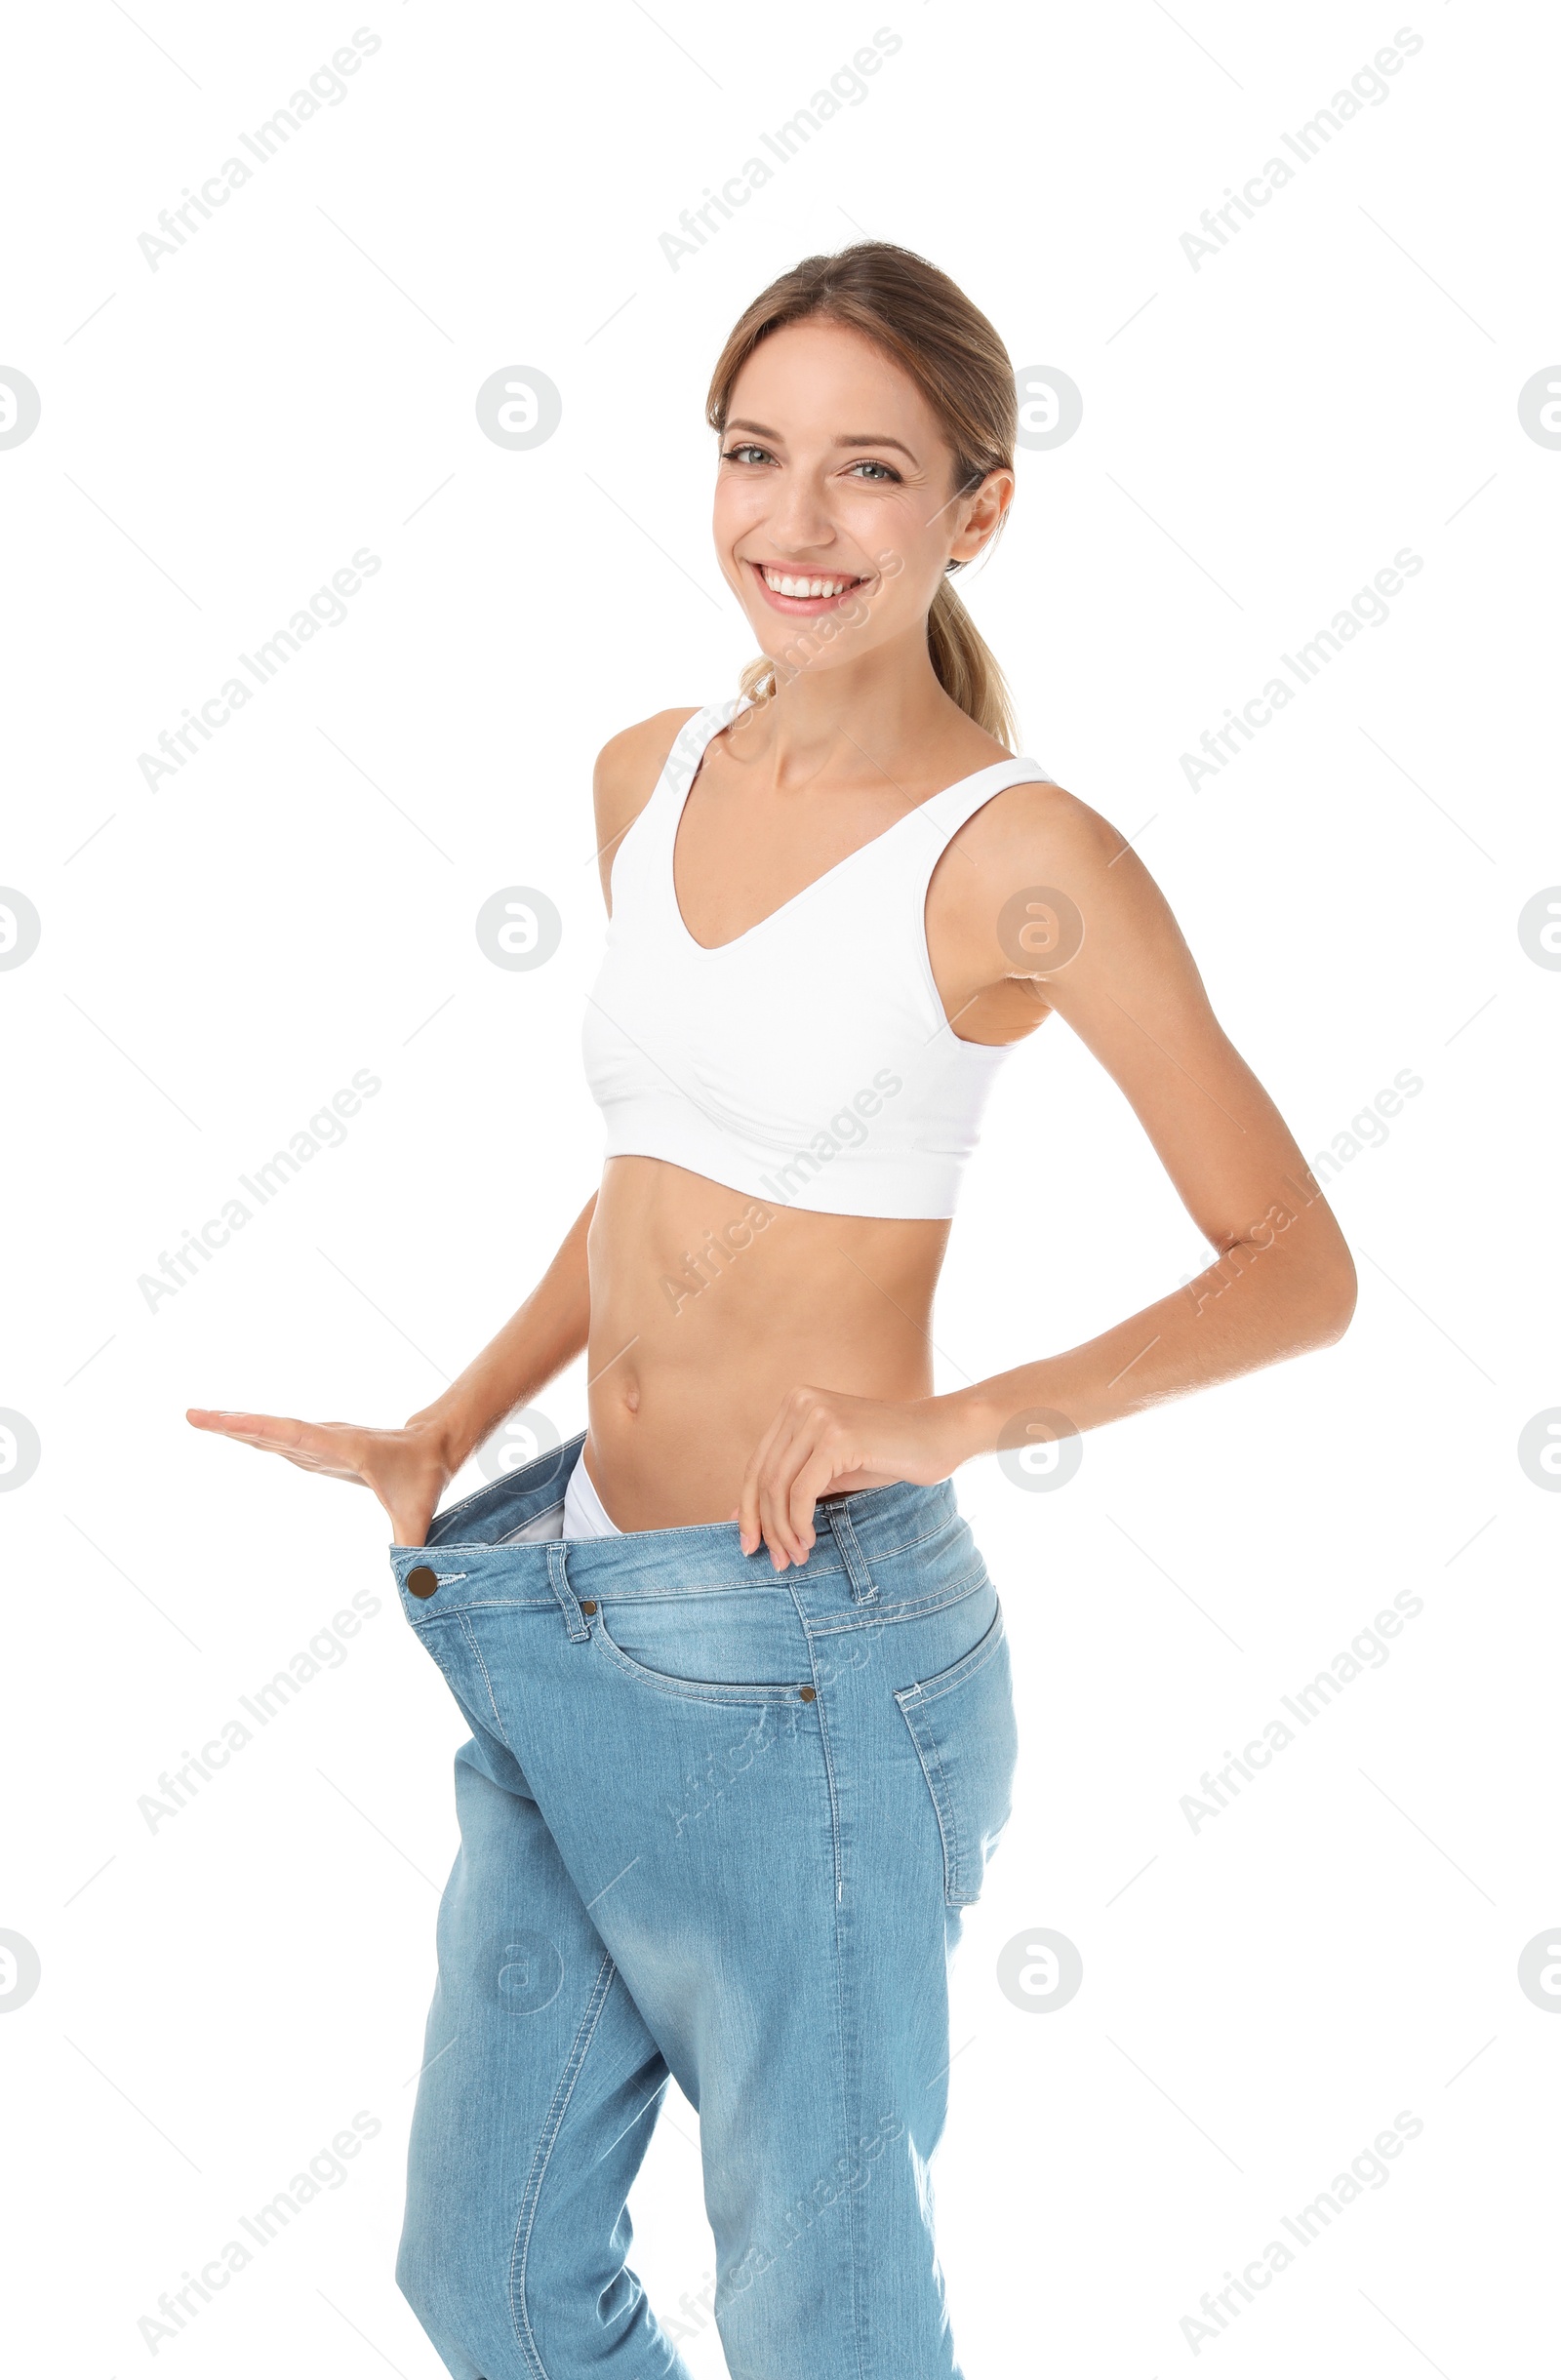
[708,1306]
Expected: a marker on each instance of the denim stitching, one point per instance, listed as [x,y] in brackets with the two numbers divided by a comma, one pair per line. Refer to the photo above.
[843,2040]
[812,1568]
[863,1588]
[842,2027]
[912,1700]
[436,1634]
[577,1626]
[476,1654]
[496,1603]
[829,1758]
[446,1578]
[920,1607]
[553,2124]
[967,1666]
[690,1690]
[923,1608]
[781,1584]
[943,1805]
[549,1602]
[910,1547]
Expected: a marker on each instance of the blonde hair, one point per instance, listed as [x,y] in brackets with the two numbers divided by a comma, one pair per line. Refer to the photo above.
[925,323]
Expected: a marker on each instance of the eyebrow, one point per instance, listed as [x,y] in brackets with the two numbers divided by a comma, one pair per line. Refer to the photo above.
[851,438]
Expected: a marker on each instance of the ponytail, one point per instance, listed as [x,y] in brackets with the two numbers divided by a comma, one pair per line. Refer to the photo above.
[966,668]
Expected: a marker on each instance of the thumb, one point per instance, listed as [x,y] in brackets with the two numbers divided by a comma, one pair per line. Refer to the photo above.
[409,1522]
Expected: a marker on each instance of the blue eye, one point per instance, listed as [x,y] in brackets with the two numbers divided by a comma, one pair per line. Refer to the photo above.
[741,454]
[868,464]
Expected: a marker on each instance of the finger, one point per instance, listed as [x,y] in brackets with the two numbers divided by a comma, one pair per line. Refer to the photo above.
[794,1502]
[279,1433]
[275,1429]
[336,1450]
[775,1499]
[750,1526]
[809,1484]
[805,1470]
[769,1529]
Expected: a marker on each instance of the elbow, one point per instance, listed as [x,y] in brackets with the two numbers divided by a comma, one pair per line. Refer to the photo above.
[1333,1300]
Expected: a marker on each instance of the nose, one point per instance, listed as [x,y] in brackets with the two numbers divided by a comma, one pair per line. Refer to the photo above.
[800,523]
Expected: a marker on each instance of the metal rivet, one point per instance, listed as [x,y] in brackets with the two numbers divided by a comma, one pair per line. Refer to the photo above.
[589,1610]
[423,1582]
[807,1693]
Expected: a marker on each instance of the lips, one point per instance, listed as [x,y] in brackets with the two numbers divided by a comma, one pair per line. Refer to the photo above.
[771,577]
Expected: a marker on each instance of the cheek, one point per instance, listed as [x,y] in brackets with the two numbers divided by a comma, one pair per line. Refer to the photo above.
[739,505]
[899,526]
[905,594]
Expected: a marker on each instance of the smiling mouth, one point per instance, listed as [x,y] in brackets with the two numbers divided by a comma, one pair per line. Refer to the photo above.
[803,591]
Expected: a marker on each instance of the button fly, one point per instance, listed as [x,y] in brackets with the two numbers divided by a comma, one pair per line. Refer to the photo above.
[423,1582]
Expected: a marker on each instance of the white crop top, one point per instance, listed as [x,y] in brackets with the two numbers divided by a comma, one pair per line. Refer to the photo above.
[808,1062]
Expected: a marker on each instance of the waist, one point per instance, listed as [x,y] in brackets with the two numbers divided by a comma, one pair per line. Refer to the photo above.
[707,1308]
[895,1544]
[664,1233]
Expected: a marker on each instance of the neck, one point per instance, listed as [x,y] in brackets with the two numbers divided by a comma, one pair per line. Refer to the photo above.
[855,718]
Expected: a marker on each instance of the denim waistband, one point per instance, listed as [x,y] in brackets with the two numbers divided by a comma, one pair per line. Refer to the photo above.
[471,1553]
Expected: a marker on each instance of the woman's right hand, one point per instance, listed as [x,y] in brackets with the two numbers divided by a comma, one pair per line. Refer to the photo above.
[407,1469]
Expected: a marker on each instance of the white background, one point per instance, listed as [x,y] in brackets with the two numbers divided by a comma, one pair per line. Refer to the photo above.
[1260,436]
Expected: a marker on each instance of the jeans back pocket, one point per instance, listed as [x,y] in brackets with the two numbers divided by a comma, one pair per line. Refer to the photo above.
[962,1725]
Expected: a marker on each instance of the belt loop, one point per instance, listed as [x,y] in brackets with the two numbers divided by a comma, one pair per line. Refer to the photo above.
[863,1589]
[558,1580]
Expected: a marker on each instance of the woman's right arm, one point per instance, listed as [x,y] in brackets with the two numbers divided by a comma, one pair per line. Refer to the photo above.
[409,1469]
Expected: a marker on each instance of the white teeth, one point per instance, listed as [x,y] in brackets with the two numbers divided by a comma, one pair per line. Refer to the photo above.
[779,584]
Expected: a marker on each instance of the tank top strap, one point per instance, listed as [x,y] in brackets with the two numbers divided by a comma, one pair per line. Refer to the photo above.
[689,747]
[642,870]
[947,812]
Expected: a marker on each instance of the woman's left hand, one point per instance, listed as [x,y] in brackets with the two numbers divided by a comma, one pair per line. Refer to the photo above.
[821,1437]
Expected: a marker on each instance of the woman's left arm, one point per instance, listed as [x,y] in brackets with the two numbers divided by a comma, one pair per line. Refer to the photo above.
[1120,974]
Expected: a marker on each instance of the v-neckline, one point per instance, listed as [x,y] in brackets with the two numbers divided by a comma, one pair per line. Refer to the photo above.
[713,950]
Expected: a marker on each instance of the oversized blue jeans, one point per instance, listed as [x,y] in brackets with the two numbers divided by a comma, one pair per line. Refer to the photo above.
[717,1822]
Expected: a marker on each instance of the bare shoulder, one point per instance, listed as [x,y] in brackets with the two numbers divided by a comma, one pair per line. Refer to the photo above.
[1038,851]
[1039,822]
[628,767]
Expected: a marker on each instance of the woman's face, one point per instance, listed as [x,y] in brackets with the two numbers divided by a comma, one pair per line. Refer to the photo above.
[836,482]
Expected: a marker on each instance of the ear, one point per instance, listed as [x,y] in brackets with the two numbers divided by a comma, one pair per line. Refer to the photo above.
[982,511]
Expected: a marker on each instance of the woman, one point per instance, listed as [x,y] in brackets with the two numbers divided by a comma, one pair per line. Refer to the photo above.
[742,1734]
